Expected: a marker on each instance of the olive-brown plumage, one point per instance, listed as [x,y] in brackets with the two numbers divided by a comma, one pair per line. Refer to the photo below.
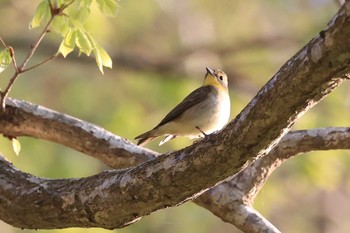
[203,111]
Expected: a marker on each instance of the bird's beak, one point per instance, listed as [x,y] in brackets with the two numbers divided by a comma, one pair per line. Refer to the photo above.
[210,71]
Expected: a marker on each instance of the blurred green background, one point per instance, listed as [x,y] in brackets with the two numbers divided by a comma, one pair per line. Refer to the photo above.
[160,50]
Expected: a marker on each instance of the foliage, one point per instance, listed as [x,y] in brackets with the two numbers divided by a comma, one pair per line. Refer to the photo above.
[130,96]
[70,25]
[5,59]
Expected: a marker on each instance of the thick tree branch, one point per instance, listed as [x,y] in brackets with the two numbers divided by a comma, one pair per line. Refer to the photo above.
[26,119]
[232,200]
[32,120]
[116,198]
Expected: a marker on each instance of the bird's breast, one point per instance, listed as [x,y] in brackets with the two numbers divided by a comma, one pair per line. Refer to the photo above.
[218,113]
[209,115]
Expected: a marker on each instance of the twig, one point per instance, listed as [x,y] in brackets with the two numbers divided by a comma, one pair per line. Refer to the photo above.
[35,46]
[12,53]
[21,68]
[14,62]
[3,42]
[41,63]
[4,94]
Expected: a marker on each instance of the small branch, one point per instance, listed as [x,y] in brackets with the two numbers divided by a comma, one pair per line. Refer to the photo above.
[3,42]
[12,53]
[21,68]
[41,63]
[5,93]
[14,62]
[36,45]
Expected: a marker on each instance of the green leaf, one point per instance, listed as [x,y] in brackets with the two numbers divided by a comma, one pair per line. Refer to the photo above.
[64,49]
[102,58]
[82,15]
[5,59]
[70,38]
[85,3]
[83,42]
[83,11]
[106,59]
[41,14]
[60,24]
[107,7]
[98,59]
[16,146]
[68,42]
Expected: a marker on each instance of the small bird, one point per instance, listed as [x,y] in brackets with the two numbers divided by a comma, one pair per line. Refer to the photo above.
[203,111]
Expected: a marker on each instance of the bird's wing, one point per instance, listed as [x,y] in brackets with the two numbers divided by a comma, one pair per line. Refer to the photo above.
[192,99]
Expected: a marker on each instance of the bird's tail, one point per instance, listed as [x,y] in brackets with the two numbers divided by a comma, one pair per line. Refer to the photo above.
[145,138]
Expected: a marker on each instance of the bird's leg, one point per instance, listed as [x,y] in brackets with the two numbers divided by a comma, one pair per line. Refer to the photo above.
[204,134]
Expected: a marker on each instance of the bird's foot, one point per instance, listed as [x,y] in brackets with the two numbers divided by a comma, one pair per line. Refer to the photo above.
[200,130]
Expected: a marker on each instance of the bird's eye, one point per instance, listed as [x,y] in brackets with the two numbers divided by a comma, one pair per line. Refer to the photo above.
[221,78]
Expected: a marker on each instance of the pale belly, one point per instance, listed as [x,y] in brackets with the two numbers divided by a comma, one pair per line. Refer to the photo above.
[209,116]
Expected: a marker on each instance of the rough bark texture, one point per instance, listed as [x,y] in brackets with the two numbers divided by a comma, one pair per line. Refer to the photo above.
[114,199]
[26,119]
[232,200]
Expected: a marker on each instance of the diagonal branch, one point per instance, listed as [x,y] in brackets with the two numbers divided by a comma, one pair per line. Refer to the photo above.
[237,194]
[114,199]
[240,192]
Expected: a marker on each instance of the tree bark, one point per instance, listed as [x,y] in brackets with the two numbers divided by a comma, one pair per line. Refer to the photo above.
[232,200]
[26,119]
[114,199]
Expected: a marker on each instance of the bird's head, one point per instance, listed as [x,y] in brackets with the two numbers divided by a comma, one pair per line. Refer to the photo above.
[216,78]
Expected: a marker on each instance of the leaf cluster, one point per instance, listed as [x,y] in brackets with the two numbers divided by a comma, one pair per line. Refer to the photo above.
[67,19]
[69,24]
